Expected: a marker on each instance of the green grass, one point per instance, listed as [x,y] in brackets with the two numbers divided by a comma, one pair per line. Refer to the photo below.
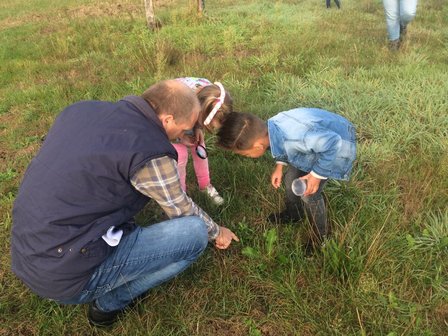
[384,272]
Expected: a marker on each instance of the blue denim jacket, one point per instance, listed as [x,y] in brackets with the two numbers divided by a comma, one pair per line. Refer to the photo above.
[315,140]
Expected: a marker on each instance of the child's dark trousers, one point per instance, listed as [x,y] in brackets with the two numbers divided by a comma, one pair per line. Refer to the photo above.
[312,206]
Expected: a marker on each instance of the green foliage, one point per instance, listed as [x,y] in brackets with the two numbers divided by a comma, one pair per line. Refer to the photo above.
[9,174]
[382,272]
[270,237]
[434,236]
[344,262]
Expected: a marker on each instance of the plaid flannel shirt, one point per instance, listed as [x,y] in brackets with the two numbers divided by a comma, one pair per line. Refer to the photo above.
[159,180]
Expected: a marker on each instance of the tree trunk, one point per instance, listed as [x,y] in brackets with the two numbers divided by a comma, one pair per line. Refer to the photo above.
[201,6]
[150,18]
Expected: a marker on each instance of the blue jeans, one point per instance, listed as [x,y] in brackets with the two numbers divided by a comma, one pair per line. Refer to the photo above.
[398,12]
[312,206]
[143,259]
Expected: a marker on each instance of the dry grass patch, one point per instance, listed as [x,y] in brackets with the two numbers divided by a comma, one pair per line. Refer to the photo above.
[85,12]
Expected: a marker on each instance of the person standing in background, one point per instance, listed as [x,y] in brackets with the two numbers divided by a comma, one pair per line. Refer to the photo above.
[398,15]
[338,4]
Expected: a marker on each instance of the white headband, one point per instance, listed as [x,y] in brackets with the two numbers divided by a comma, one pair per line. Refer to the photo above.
[218,104]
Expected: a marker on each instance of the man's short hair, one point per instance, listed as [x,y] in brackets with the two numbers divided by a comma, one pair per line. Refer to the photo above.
[172,97]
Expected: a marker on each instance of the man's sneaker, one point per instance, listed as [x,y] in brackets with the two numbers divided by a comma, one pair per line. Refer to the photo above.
[99,318]
[214,195]
[283,217]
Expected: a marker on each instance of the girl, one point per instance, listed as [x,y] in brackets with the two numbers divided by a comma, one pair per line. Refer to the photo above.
[215,104]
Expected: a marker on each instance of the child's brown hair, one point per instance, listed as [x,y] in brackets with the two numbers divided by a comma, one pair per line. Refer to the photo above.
[239,131]
[208,97]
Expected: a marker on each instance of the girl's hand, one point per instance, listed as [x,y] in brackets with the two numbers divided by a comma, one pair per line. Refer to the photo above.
[276,177]
[187,140]
[225,238]
[312,184]
[199,136]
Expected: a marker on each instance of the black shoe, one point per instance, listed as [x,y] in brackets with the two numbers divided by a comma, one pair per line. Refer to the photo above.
[394,45]
[314,244]
[312,247]
[308,249]
[99,318]
[283,217]
[403,31]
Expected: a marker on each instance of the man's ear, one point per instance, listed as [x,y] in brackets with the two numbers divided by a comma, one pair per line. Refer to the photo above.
[166,119]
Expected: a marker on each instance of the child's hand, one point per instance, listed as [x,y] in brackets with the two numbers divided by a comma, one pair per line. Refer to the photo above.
[187,140]
[225,238]
[199,136]
[312,184]
[276,177]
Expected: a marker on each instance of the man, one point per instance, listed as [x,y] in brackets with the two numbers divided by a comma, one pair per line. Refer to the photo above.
[74,239]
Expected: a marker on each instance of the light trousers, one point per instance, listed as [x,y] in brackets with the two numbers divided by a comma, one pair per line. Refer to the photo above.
[398,12]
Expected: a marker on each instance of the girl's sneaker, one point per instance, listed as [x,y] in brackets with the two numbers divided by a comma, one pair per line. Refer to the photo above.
[214,195]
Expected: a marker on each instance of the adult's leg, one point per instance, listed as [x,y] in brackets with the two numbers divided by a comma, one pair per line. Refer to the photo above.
[144,259]
[392,12]
[182,160]
[328,3]
[408,9]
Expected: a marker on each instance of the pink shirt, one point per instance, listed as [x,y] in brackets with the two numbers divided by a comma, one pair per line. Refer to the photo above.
[195,83]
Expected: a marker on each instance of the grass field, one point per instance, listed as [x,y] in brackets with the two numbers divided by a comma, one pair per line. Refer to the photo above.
[384,272]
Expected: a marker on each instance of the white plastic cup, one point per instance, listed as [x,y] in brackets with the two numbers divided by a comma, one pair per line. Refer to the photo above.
[298,187]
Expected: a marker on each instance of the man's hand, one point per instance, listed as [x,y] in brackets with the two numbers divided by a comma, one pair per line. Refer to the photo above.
[277,175]
[312,184]
[225,238]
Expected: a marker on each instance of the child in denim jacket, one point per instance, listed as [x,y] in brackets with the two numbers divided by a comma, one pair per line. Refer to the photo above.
[312,144]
